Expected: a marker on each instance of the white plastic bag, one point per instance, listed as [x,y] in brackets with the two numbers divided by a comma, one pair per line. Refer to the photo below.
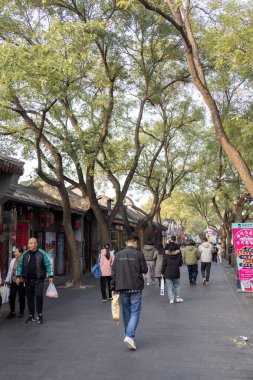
[5,292]
[115,308]
[51,291]
[162,287]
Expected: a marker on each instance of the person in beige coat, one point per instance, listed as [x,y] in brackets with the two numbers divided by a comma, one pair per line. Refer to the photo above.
[149,253]
[159,262]
[206,250]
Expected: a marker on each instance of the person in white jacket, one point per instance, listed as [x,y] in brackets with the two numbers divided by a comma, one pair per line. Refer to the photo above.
[14,288]
[206,250]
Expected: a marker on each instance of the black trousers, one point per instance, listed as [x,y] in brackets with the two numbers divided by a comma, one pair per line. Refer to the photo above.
[103,281]
[34,291]
[205,270]
[14,289]
[214,257]
[159,280]
[192,272]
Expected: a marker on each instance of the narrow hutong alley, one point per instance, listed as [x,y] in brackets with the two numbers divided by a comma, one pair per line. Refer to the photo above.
[198,339]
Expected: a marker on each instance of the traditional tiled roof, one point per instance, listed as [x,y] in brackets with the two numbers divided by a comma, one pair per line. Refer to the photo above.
[11,165]
[38,197]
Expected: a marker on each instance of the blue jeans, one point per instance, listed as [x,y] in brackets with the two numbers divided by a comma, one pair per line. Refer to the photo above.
[173,287]
[131,309]
[193,272]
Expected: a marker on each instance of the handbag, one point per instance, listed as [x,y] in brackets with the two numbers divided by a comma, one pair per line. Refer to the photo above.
[51,291]
[162,287]
[115,308]
[96,271]
[5,292]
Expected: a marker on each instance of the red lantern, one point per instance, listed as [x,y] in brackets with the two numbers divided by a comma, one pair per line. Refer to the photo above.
[30,215]
[13,234]
[44,220]
[51,218]
[76,224]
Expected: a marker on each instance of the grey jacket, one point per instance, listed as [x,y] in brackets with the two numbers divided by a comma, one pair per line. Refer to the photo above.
[149,252]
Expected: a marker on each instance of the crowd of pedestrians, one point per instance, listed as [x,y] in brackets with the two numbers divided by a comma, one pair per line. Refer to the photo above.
[124,273]
[131,268]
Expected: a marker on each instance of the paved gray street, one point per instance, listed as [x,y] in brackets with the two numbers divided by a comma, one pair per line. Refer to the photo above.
[188,341]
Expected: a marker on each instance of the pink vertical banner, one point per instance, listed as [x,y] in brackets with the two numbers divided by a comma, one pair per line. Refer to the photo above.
[243,246]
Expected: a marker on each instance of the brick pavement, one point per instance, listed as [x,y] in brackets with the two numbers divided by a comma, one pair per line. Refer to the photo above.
[188,341]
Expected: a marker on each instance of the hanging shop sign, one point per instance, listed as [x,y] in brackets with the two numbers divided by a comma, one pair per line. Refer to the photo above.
[243,246]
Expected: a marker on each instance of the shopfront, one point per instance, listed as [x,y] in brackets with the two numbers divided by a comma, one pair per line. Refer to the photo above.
[54,244]
[10,171]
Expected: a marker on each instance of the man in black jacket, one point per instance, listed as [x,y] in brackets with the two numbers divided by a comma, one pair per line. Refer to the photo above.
[33,266]
[127,278]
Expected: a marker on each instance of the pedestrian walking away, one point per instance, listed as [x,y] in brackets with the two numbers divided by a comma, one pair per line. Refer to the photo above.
[150,253]
[106,261]
[14,288]
[127,279]
[33,266]
[219,252]
[215,254]
[173,240]
[206,250]
[172,262]
[158,263]
[191,255]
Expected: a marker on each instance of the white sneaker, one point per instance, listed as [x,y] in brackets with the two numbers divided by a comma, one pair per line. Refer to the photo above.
[148,283]
[171,301]
[178,300]
[129,342]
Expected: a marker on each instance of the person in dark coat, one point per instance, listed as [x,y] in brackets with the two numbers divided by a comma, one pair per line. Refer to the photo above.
[33,266]
[215,254]
[173,240]
[127,279]
[172,261]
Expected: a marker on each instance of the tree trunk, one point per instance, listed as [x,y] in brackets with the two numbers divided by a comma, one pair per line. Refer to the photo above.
[159,226]
[150,230]
[125,219]
[181,22]
[75,271]
[223,243]
[104,233]
[101,217]
[233,154]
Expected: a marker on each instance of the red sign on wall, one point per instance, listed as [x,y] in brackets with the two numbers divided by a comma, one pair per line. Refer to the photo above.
[22,234]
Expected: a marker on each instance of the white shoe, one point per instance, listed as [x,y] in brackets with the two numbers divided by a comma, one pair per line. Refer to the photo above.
[129,342]
[171,301]
[178,300]
[148,283]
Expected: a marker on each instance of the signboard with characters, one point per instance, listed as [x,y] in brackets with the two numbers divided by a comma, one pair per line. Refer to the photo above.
[243,245]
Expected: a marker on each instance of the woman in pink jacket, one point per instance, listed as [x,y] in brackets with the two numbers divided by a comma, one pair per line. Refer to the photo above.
[106,261]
